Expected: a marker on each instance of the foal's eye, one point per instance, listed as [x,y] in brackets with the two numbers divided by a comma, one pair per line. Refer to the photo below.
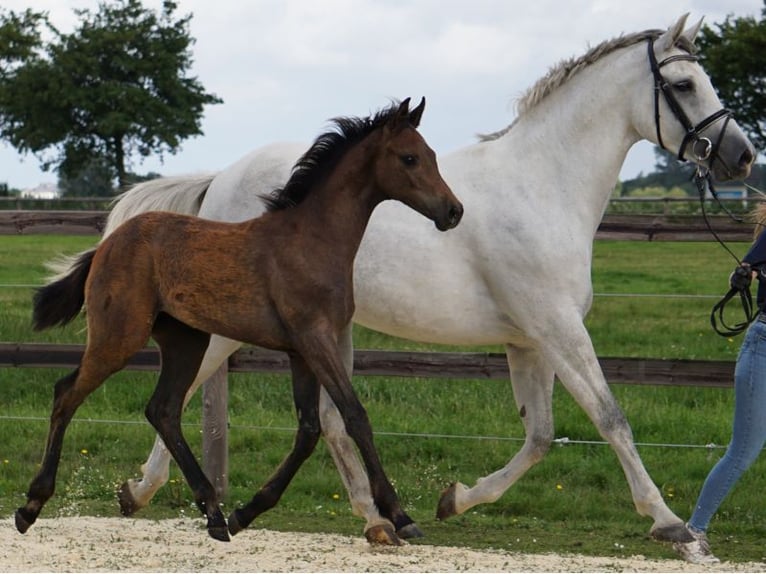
[683,86]
[409,160]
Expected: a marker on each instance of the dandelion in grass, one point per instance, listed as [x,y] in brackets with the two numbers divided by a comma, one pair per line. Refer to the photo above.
[336,496]
[559,487]
[84,451]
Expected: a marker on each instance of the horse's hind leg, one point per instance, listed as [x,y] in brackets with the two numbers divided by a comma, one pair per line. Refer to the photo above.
[182,349]
[532,381]
[349,466]
[69,394]
[306,399]
[135,494]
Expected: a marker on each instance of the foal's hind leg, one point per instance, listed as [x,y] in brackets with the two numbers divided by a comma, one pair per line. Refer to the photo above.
[182,349]
[306,399]
[69,394]
[532,381]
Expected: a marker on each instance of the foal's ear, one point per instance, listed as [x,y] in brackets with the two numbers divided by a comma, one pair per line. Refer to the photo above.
[402,116]
[416,114]
[669,38]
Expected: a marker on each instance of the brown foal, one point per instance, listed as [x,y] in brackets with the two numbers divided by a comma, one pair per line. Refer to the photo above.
[281,281]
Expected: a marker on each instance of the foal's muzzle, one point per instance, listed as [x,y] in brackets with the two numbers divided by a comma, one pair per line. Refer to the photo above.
[454,215]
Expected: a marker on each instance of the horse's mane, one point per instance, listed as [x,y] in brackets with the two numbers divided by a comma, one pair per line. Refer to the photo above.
[323,155]
[566,69]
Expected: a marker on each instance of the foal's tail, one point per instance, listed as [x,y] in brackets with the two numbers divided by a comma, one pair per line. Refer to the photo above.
[59,302]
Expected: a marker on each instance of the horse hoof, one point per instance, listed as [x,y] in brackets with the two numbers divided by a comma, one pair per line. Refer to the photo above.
[23,523]
[220,533]
[382,534]
[411,530]
[234,524]
[446,506]
[673,533]
[128,504]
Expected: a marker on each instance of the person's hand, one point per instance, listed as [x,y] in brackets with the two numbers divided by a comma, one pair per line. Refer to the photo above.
[741,277]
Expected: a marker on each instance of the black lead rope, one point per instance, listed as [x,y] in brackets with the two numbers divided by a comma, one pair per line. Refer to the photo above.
[717,321]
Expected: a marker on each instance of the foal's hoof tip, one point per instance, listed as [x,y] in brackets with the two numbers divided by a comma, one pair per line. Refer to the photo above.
[410,531]
[22,524]
[234,525]
[673,533]
[220,533]
[446,506]
[383,534]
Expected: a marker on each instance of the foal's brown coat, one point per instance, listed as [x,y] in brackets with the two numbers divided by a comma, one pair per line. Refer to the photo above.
[282,281]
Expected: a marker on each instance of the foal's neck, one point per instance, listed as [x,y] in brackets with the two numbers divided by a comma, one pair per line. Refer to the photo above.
[340,207]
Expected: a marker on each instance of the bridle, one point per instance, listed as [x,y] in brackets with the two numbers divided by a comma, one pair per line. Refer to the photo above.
[701,146]
[703,149]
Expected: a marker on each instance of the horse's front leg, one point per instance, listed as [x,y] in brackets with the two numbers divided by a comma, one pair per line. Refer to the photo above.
[569,351]
[135,494]
[306,399]
[323,358]
[347,461]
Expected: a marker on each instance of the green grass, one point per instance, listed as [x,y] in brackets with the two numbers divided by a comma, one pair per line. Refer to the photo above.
[575,500]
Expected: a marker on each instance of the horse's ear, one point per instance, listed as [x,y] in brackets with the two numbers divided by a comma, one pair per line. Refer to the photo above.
[402,115]
[691,32]
[417,113]
[669,38]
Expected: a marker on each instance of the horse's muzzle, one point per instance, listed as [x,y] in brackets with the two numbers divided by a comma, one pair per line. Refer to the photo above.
[454,215]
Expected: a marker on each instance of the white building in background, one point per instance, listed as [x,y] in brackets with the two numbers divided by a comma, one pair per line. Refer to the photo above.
[42,191]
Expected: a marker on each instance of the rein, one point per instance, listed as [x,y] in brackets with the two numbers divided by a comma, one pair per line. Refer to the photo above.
[704,150]
[703,181]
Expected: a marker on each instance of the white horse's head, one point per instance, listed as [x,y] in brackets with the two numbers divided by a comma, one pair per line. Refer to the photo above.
[687,118]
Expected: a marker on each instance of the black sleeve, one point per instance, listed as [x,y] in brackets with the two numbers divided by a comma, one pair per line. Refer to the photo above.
[757,253]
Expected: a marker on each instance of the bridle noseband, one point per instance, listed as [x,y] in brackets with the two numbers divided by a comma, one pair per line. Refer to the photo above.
[693,133]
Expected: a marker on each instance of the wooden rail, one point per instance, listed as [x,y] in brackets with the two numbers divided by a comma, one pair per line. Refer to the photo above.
[628,227]
[636,371]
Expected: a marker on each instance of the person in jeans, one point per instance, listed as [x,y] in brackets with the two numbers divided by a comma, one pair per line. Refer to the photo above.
[749,424]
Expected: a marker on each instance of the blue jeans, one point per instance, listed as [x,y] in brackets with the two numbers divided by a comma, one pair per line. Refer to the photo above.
[749,427]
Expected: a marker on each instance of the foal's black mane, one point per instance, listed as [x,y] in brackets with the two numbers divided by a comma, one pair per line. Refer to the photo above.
[324,154]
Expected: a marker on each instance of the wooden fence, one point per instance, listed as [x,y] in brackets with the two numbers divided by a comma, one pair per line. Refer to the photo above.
[628,227]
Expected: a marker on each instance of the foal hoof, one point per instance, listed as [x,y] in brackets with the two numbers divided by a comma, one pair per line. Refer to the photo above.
[23,522]
[411,530]
[234,524]
[446,507]
[383,534]
[220,533]
[128,504]
[673,533]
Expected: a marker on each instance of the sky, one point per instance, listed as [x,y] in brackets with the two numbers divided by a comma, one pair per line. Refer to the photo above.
[285,67]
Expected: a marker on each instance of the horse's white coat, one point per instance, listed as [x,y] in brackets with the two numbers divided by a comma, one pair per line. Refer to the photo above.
[516,271]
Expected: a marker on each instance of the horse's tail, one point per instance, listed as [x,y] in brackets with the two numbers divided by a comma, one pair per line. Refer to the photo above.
[182,194]
[179,194]
[59,302]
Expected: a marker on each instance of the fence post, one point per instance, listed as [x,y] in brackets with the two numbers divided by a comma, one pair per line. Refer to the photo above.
[215,434]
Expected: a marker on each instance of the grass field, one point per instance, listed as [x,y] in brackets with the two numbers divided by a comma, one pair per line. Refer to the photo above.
[575,500]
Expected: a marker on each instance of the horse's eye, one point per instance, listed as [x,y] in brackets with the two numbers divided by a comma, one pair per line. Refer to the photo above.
[409,160]
[683,86]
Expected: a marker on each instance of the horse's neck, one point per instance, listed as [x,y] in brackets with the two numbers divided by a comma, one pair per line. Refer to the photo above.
[572,144]
[340,208]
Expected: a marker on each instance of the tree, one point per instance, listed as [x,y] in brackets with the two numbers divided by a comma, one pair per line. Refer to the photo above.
[734,55]
[113,88]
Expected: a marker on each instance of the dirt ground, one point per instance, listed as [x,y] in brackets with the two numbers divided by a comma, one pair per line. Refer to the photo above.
[75,544]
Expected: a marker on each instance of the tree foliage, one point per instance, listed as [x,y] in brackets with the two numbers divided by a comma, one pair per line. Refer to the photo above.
[113,88]
[734,55]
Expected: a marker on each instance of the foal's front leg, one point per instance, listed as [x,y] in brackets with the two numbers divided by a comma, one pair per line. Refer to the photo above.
[306,399]
[323,357]
[182,349]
